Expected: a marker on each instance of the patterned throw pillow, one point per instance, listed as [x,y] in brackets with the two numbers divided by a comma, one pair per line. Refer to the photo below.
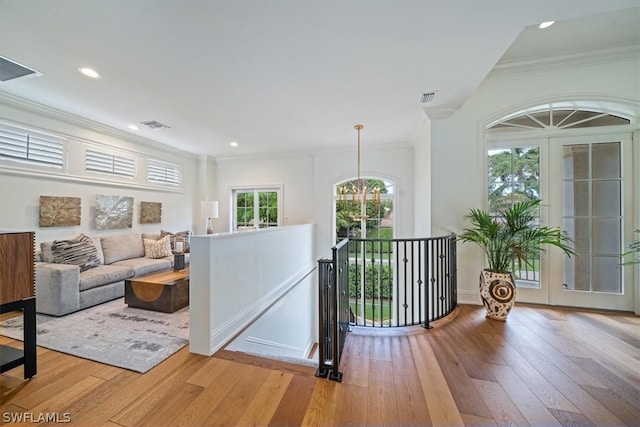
[157,248]
[181,236]
[80,251]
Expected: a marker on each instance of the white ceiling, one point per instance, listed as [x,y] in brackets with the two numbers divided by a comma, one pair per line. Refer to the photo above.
[284,75]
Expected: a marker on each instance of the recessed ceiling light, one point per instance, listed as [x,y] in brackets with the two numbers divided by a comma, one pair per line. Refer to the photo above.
[133,127]
[546,24]
[233,144]
[89,72]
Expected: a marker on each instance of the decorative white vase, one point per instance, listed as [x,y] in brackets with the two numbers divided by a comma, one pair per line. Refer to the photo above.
[498,293]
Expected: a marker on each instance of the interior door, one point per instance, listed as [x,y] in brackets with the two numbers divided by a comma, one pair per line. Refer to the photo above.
[591,200]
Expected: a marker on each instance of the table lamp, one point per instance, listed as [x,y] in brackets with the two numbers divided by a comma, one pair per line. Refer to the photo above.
[208,210]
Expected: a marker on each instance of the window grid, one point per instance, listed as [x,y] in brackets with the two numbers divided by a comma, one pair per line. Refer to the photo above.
[256,208]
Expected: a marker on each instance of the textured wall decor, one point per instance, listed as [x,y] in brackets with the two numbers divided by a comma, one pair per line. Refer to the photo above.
[59,211]
[113,212]
[150,212]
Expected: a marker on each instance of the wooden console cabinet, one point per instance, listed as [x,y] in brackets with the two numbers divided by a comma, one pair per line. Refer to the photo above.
[17,292]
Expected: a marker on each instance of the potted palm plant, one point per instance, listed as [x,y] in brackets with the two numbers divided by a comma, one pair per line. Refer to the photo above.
[513,235]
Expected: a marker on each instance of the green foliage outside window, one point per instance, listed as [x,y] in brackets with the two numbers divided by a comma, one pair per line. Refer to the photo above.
[378,281]
[514,176]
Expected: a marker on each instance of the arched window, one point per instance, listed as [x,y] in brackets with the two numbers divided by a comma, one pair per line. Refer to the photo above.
[559,115]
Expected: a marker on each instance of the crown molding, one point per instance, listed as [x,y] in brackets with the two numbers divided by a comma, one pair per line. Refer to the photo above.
[623,53]
[31,106]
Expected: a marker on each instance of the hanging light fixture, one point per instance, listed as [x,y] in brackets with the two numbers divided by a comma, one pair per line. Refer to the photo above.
[354,195]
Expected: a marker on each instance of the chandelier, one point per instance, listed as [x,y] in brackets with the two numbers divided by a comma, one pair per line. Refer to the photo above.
[354,195]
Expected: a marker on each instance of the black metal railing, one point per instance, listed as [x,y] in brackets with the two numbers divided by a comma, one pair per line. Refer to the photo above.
[334,316]
[406,281]
[383,283]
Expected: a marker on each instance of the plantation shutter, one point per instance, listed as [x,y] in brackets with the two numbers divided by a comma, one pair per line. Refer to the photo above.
[163,173]
[97,161]
[31,147]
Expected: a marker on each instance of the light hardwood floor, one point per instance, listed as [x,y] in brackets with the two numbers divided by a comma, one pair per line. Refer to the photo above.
[542,367]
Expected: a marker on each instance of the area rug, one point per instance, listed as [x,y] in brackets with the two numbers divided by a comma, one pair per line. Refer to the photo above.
[110,333]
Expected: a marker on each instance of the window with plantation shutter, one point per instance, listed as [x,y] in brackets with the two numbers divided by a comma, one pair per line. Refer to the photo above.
[109,163]
[163,173]
[31,147]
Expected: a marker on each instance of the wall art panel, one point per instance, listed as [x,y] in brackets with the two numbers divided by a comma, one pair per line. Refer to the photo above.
[113,212]
[150,213]
[59,211]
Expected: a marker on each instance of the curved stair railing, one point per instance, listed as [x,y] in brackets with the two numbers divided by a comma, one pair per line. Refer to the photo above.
[382,283]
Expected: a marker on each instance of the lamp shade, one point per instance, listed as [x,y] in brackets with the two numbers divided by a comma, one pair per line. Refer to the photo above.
[209,209]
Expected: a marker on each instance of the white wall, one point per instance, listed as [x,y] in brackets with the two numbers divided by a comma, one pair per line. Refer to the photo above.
[421,143]
[20,192]
[293,172]
[236,276]
[289,329]
[308,181]
[458,147]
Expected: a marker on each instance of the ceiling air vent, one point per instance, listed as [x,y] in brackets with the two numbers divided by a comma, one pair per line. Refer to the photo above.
[426,97]
[155,125]
[10,70]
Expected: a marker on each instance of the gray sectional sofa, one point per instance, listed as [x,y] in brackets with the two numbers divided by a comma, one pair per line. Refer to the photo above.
[63,288]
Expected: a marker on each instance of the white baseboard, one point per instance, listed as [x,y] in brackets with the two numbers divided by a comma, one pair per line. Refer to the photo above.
[469,297]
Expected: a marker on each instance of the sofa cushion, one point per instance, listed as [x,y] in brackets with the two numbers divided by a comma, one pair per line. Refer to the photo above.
[78,251]
[180,236]
[103,275]
[157,248]
[125,246]
[143,265]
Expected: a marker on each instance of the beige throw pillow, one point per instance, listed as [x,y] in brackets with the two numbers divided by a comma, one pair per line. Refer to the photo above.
[157,248]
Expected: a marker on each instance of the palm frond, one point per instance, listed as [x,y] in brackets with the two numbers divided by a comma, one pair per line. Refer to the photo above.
[513,235]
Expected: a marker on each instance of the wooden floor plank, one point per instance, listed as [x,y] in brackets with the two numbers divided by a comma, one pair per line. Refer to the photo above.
[536,382]
[628,413]
[198,410]
[295,402]
[353,406]
[571,419]
[356,362]
[138,385]
[613,382]
[504,411]
[527,403]
[266,401]
[440,402]
[383,396]
[238,397]
[464,393]
[161,395]
[409,391]
[587,405]
[526,338]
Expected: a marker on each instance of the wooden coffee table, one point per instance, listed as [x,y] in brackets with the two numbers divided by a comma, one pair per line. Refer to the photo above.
[165,291]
